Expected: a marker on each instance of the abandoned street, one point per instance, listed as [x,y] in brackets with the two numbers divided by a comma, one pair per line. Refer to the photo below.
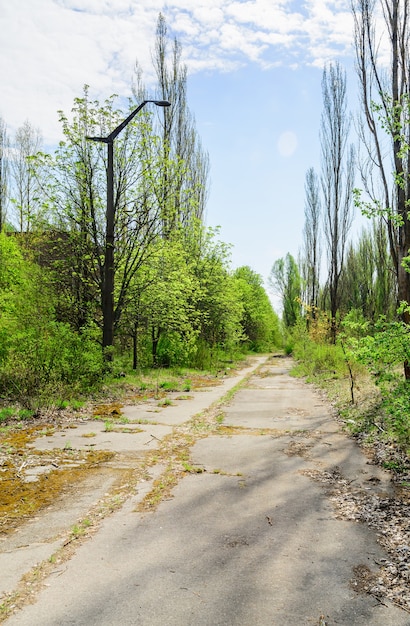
[262,527]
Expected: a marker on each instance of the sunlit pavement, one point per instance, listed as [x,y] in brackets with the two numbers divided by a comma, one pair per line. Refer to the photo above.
[250,536]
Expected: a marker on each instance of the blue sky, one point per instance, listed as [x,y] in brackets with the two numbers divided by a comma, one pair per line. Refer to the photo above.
[254,87]
[261,135]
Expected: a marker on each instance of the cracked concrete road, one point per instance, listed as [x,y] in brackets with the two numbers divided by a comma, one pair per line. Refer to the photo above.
[252,538]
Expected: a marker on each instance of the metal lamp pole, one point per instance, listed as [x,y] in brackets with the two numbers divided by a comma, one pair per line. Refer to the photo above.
[107,296]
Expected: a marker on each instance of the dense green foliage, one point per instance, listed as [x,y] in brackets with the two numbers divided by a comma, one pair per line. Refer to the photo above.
[175,300]
[39,356]
[180,310]
[362,372]
[260,325]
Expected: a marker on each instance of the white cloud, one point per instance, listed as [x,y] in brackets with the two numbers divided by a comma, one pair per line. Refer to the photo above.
[267,16]
[265,32]
[50,48]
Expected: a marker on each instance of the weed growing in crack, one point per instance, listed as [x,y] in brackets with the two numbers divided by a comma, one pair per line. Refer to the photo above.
[192,469]
[165,402]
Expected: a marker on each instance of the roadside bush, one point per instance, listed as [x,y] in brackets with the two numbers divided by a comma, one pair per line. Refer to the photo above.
[396,405]
[320,359]
[385,350]
[39,357]
[383,354]
[46,362]
[316,357]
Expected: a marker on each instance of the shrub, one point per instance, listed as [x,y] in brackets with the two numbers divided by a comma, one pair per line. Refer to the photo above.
[45,362]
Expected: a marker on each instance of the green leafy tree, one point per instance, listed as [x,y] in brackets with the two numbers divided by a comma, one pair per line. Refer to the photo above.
[367,281]
[357,280]
[218,304]
[77,200]
[285,281]
[260,324]
[160,307]
[40,359]
[385,126]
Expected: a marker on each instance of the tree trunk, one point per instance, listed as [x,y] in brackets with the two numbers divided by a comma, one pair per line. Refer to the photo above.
[156,332]
[135,346]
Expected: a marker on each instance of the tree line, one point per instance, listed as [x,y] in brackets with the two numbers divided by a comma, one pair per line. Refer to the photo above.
[366,279]
[346,303]
[175,300]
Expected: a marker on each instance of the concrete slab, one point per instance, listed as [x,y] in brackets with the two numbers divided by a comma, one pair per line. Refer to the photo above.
[92,435]
[17,561]
[264,548]
[250,540]
[137,435]
[38,538]
[276,408]
[183,410]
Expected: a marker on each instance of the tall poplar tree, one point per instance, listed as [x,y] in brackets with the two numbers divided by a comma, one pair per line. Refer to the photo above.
[311,252]
[337,178]
[26,184]
[183,187]
[4,172]
[284,280]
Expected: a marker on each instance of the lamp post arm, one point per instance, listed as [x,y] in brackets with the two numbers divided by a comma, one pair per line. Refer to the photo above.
[123,124]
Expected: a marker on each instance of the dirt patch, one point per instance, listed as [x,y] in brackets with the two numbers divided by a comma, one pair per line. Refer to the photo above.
[298,448]
[363,579]
[108,410]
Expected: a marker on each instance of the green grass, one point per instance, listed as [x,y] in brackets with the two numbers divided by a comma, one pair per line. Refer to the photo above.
[76,405]
[192,469]
[168,385]
[319,361]
[379,411]
[8,413]
[165,402]
[62,404]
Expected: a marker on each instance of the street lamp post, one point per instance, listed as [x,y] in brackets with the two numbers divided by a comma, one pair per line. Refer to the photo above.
[107,295]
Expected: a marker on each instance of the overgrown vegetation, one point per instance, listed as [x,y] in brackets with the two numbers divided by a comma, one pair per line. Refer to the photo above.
[362,374]
[347,318]
[175,301]
[44,360]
